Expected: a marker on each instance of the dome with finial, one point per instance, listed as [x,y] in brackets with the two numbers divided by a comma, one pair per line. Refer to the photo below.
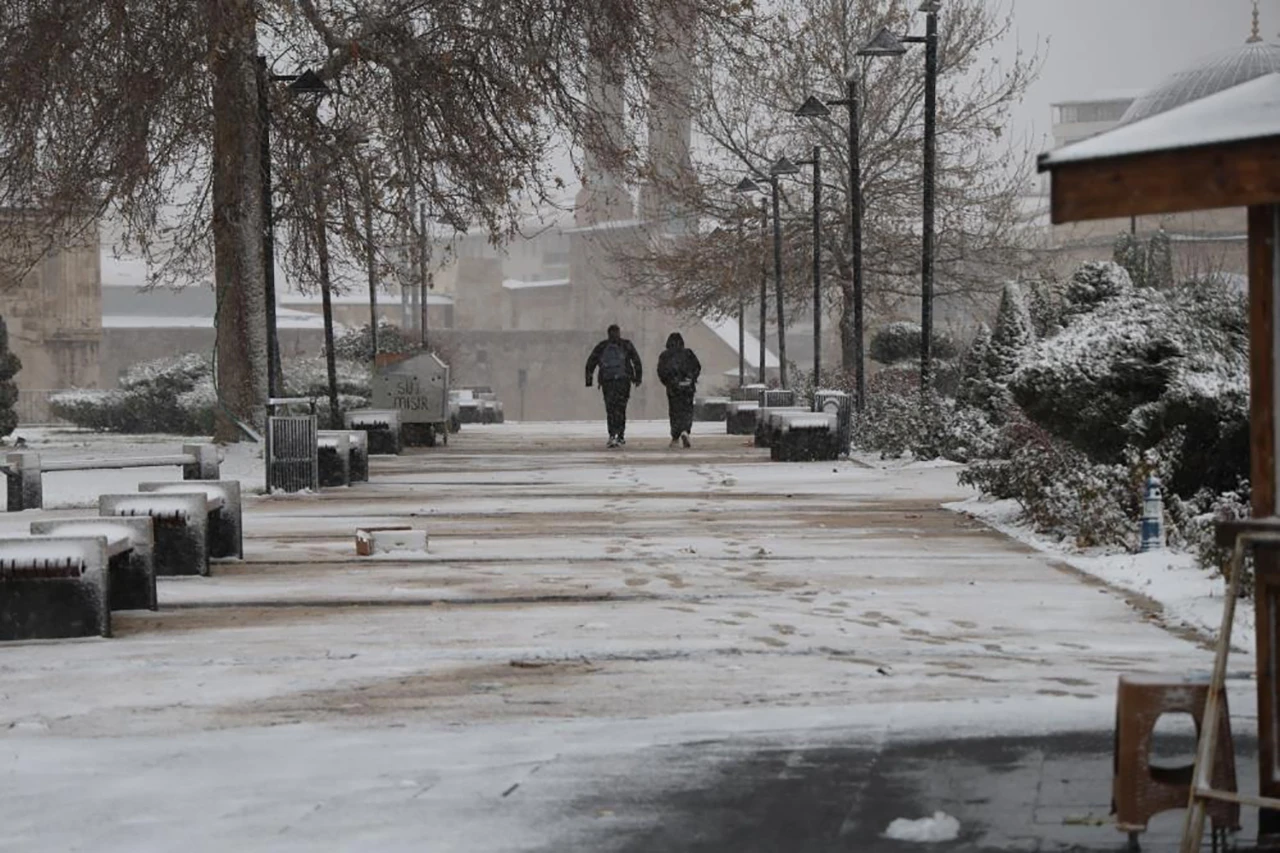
[1217,72]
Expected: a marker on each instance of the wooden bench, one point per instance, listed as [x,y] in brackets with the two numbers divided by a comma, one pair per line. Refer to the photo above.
[805,437]
[24,470]
[53,587]
[382,427]
[180,523]
[225,512]
[130,555]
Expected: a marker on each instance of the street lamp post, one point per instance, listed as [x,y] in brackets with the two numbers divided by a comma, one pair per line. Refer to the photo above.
[886,43]
[816,162]
[308,82]
[372,262]
[782,167]
[746,185]
[815,108]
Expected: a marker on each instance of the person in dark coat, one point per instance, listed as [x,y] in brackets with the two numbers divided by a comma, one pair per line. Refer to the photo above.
[678,370]
[619,366]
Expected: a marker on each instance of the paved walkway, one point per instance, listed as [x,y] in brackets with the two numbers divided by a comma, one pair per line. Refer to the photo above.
[605,650]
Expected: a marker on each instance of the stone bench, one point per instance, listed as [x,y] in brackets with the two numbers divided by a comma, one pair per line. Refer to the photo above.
[740,417]
[225,512]
[334,458]
[180,525]
[130,555]
[767,423]
[805,437]
[382,427]
[710,408]
[24,470]
[53,587]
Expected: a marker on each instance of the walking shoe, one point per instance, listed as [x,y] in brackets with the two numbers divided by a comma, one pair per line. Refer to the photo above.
[684,439]
[613,441]
[622,441]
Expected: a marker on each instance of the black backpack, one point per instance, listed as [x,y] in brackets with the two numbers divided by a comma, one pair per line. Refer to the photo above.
[613,363]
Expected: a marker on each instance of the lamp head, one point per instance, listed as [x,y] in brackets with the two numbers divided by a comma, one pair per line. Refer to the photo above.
[309,83]
[885,43]
[813,108]
[746,185]
[784,167]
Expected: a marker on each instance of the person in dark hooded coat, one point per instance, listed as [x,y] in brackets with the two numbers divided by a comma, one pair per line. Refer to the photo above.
[678,370]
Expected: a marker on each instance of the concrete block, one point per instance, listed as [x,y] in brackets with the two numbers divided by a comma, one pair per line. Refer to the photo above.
[385,540]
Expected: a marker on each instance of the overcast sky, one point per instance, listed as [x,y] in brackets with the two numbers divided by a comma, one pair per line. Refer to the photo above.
[1102,45]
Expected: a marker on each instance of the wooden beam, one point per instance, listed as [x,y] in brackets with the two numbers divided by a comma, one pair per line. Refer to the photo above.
[1237,174]
[1264,223]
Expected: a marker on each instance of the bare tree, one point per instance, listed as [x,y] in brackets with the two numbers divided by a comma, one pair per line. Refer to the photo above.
[146,111]
[745,112]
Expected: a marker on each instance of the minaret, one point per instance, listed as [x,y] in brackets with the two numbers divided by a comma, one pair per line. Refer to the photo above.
[671,121]
[1254,38]
[603,197]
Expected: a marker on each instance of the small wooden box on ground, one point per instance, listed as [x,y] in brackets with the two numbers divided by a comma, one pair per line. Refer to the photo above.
[386,540]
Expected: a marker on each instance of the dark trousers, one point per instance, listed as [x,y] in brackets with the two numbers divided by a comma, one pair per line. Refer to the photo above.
[680,410]
[616,394]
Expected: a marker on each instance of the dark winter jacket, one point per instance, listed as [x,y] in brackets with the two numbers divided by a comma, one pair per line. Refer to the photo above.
[678,366]
[632,358]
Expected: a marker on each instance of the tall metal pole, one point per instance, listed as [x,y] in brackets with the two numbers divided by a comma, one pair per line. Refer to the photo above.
[422,269]
[817,268]
[742,342]
[777,282]
[855,230]
[274,372]
[930,155]
[764,285]
[373,269]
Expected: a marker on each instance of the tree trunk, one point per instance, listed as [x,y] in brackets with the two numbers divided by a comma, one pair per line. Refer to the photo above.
[241,331]
[848,344]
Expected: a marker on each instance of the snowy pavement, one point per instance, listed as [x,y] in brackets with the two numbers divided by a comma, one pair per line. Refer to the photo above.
[579,609]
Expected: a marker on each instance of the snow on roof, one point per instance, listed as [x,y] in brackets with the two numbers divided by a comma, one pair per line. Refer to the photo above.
[1102,97]
[727,331]
[286,318]
[357,296]
[1248,111]
[517,284]
[615,225]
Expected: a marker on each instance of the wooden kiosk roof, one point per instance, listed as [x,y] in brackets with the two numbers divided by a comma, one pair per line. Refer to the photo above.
[1222,150]
[1219,151]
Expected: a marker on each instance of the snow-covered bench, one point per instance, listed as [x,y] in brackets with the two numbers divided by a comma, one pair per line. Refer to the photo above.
[55,586]
[225,534]
[180,525]
[747,392]
[710,408]
[382,427]
[357,470]
[767,422]
[130,555]
[740,417]
[334,458]
[805,437]
[24,469]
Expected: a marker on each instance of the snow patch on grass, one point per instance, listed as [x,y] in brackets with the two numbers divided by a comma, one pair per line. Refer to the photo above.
[940,827]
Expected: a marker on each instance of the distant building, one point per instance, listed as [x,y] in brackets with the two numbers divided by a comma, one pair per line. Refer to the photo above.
[1210,243]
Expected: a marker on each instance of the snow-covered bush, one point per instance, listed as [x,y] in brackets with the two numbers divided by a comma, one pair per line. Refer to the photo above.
[900,341]
[170,395]
[10,364]
[309,377]
[896,421]
[357,344]
[1140,365]
[1092,284]
[1193,525]
[1060,491]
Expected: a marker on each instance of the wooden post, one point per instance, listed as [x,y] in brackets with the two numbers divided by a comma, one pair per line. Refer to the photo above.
[1264,223]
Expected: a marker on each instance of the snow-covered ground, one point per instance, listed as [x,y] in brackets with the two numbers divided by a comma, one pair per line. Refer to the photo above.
[578,606]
